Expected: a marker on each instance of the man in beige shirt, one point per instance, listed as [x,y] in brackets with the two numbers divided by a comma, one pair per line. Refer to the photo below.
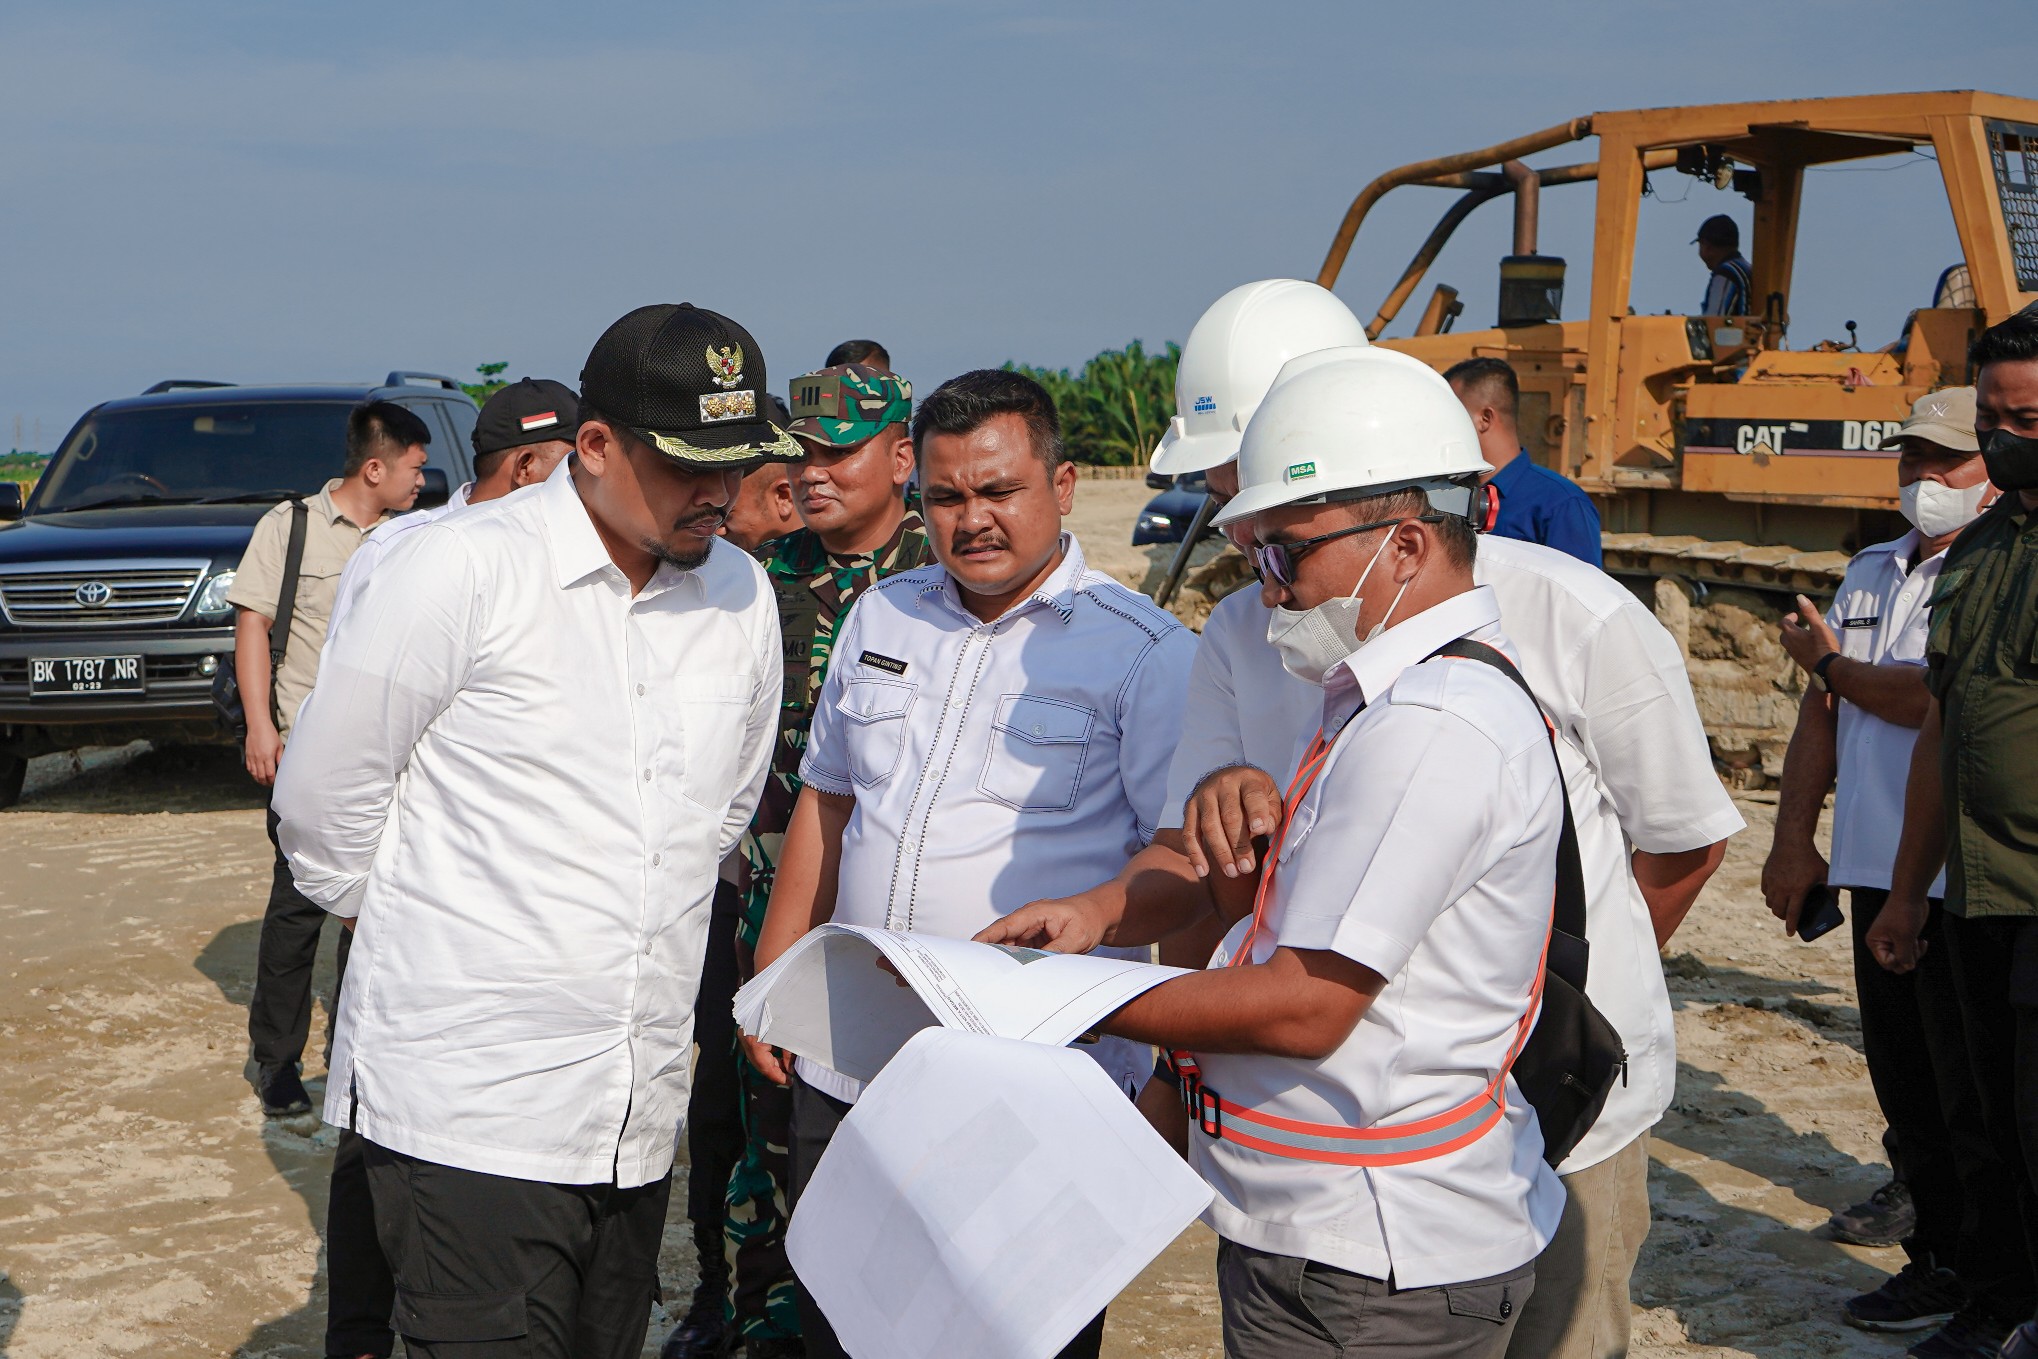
[382,475]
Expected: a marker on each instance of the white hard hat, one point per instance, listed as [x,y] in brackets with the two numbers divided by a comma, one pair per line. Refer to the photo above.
[1231,358]
[1354,419]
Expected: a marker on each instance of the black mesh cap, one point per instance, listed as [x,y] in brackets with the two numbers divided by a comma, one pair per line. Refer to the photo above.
[528,411]
[691,383]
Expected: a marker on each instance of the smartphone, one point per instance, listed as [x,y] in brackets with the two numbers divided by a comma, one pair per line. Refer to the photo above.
[1819,914]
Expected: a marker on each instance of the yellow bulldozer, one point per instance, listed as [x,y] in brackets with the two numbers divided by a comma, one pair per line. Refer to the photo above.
[1714,450]
[1731,470]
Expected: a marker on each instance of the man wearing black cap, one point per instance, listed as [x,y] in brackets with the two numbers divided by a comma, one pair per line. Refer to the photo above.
[523,432]
[572,696]
[1731,289]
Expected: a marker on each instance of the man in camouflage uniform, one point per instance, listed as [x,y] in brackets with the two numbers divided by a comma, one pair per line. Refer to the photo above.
[858,529]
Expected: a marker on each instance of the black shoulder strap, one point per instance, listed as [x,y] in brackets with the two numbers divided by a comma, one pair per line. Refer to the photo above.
[286,603]
[1568,953]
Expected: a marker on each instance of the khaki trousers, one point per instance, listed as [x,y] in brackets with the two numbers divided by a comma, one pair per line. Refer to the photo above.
[1580,1307]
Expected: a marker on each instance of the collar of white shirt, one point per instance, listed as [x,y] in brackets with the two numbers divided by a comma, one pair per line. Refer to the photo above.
[1057,592]
[577,550]
[1367,672]
[1904,551]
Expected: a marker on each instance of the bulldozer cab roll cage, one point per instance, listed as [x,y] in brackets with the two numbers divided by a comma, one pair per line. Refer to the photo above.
[1986,146]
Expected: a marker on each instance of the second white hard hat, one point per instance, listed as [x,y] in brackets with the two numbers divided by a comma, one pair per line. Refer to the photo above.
[1360,420]
[1230,360]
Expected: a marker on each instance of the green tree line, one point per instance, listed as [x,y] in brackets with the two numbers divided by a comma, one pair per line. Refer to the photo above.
[1114,408]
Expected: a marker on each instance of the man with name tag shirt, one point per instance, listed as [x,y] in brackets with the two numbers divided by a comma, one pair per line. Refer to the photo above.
[995,724]
[1951,1203]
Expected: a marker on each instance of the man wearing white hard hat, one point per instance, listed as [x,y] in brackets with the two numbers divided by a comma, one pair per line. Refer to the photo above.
[1651,816]
[1380,1180]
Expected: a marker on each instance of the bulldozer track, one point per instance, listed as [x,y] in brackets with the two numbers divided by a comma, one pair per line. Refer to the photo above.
[1774,570]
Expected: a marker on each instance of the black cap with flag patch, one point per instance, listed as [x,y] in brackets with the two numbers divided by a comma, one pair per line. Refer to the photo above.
[688,381]
[528,411]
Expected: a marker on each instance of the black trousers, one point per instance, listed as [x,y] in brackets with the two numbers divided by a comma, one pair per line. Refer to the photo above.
[360,1294]
[714,1109]
[279,1012]
[489,1267]
[816,1116]
[1995,978]
[1916,1048]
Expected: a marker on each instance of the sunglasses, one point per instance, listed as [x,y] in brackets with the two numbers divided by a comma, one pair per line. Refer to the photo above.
[1276,561]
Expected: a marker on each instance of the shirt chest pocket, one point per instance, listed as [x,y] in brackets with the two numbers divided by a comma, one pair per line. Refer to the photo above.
[1038,748]
[1297,830]
[875,731]
[713,708]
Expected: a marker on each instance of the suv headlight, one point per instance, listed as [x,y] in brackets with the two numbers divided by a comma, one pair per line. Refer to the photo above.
[212,596]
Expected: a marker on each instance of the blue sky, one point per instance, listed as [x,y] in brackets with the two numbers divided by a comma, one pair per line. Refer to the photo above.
[262,192]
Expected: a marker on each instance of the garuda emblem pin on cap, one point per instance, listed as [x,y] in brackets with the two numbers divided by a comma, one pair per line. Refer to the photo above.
[725,365]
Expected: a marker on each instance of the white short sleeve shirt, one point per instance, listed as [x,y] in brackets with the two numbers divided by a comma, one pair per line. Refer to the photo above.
[994,764]
[1881,617]
[1426,850]
[1635,759]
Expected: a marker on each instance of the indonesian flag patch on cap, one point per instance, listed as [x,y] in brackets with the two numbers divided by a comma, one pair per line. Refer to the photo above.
[542,420]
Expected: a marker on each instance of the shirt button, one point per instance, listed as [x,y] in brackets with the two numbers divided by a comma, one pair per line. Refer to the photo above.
[657,859]
[647,776]
[640,691]
[1037,729]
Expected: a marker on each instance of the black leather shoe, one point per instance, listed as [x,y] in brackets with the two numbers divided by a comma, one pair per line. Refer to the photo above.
[283,1093]
[701,1333]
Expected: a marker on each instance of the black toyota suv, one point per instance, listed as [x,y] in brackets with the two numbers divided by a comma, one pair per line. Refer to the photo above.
[113,575]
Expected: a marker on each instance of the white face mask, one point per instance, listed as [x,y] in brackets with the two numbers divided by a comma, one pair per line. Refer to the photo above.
[1935,509]
[1311,641]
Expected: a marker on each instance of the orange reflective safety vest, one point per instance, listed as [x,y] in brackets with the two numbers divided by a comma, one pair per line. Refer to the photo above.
[1391,1144]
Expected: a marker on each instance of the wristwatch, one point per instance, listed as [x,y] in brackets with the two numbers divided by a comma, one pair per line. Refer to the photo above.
[1819,671]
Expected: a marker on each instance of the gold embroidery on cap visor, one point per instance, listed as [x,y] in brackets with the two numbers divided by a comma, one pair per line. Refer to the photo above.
[781,447]
[728,406]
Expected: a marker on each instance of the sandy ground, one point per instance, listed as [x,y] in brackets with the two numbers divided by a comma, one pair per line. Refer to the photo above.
[146,1207]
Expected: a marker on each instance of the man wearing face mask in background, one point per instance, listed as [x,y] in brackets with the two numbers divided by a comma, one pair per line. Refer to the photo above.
[1950,1202]
[1971,802]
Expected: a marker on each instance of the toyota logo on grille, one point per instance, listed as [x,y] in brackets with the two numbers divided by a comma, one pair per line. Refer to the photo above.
[93,594]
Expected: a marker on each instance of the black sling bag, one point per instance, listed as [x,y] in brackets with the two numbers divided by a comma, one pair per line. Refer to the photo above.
[226,686]
[1573,1056]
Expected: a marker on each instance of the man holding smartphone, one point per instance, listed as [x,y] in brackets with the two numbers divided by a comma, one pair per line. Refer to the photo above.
[1951,1203]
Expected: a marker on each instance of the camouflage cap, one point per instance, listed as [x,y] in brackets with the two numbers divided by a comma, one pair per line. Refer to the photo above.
[848,403]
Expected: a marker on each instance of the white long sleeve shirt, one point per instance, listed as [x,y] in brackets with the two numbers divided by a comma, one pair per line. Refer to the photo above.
[380,539]
[521,778]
